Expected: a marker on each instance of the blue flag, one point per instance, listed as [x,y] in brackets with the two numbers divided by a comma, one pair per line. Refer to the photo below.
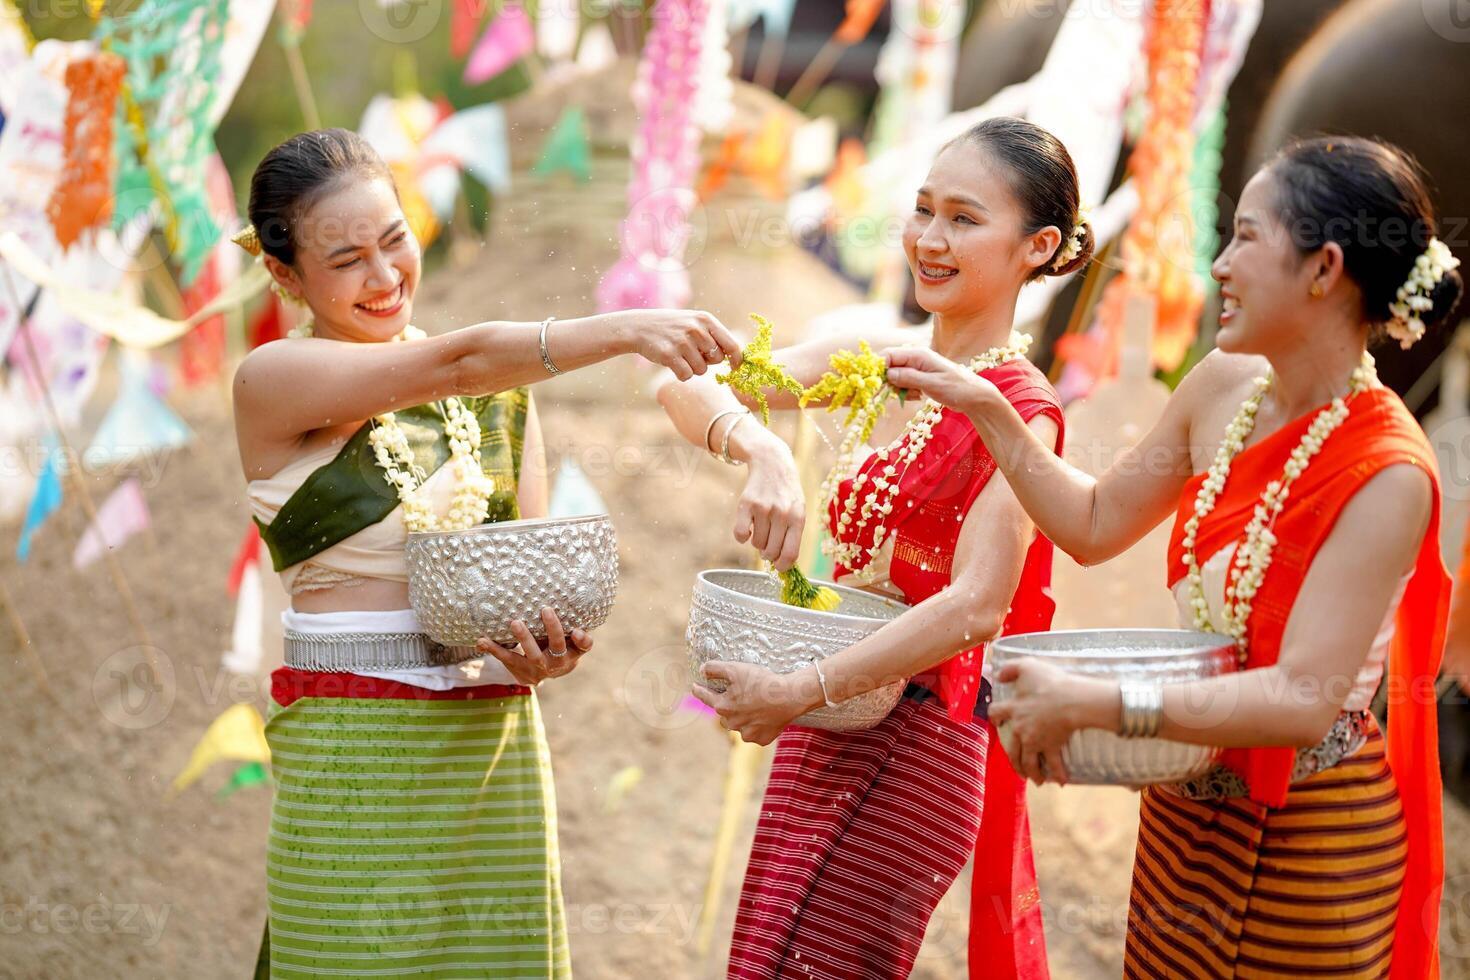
[44,503]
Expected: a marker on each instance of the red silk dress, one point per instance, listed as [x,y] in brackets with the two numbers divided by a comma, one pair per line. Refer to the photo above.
[861,833]
[1339,873]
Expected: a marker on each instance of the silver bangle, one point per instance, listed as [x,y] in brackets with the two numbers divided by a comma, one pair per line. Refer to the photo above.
[725,443]
[1143,708]
[711,428]
[822,680]
[545,354]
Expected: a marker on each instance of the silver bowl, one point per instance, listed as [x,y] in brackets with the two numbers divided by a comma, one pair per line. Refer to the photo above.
[467,584]
[738,615]
[1100,757]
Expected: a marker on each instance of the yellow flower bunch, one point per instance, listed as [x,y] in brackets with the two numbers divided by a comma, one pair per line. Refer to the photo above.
[798,590]
[757,371]
[857,381]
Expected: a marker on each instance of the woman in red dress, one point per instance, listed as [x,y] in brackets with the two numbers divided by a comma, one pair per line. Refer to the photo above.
[862,832]
[1309,535]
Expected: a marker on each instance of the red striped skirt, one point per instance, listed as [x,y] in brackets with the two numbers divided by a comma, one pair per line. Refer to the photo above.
[860,835]
[1231,888]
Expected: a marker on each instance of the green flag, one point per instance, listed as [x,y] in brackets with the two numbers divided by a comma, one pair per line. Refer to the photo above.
[567,148]
[250,774]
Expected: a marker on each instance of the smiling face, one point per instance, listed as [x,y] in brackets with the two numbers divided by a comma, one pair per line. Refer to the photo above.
[357,262]
[966,240]
[1265,281]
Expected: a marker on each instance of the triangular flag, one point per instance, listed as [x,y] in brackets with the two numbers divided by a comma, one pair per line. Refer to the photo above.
[44,502]
[813,148]
[508,39]
[618,788]
[238,733]
[248,553]
[137,423]
[775,15]
[859,20]
[765,156]
[597,49]
[247,645]
[566,148]
[250,774]
[558,23]
[464,19]
[574,495]
[123,514]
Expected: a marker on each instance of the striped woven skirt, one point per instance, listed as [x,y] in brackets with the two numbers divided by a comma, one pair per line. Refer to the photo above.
[1231,888]
[860,835]
[413,836]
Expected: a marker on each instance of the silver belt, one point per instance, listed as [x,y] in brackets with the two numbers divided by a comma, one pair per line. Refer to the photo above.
[347,652]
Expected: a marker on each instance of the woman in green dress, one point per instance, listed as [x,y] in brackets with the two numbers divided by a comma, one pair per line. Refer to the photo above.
[413,830]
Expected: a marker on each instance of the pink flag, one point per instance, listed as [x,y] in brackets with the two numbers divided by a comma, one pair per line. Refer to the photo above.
[123,514]
[509,38]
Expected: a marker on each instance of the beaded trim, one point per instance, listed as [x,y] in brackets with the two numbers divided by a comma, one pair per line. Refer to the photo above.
[1346,736]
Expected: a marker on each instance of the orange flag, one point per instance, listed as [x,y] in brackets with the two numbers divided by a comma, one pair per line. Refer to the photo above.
[83,195]
[859,20]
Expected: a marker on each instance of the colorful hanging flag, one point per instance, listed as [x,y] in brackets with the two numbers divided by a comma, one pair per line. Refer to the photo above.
[123,514]
[620,786]
[463,22]
[764,159]
[566,148]
[267,324]
[558,22]
[44,502]
[295,17]
[238,733]
[249,774]
[597,50]
[139,421]
[859,20]
[247,648]
[82,199]
[508,39]
[774,15]
[574,495]
[173,54]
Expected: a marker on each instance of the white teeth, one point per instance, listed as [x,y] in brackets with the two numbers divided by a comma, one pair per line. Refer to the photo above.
[384,304]
[935,273]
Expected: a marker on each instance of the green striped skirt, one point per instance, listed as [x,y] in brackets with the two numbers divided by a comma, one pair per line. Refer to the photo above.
[413,838]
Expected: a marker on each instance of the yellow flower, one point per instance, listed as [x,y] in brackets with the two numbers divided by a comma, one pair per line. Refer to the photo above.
[798,590]
[857,381]
[758,371]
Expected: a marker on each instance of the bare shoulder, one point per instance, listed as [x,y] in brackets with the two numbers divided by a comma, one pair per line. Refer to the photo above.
[1219,378]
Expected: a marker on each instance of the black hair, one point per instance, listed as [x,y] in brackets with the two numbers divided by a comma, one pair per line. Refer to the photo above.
[298,173]
[1372,199]
[1043,177]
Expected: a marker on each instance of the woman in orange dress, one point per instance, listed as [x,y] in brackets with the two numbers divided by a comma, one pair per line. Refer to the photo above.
[1309,535]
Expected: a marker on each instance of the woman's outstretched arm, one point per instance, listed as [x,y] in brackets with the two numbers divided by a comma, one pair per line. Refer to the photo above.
[1090,518]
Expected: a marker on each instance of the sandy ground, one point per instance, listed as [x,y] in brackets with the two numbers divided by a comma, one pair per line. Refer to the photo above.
[103,873]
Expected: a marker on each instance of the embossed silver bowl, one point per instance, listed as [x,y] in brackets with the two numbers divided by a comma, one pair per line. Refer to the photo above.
[738,615]
[1100,757]
[467,584]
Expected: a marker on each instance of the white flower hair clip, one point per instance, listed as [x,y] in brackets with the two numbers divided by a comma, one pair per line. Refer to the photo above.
[1415,296]
[1073,247]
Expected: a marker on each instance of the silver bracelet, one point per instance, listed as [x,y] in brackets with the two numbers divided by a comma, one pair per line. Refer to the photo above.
[822,680]
[1143,708]
[725,444]
[545,354]
[711,428]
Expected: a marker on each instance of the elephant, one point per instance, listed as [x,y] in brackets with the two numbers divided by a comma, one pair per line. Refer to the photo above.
[1412,57]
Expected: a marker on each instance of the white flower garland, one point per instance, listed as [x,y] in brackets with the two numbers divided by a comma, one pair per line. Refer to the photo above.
[471,503]
[1415,296]
[1253,557]
[908,447]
